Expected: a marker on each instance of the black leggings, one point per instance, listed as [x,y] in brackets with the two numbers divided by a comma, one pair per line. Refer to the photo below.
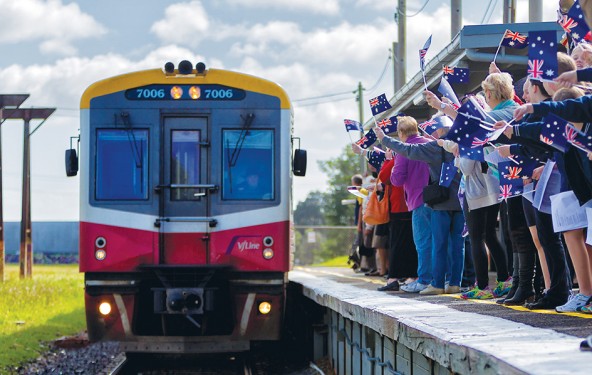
[481,224]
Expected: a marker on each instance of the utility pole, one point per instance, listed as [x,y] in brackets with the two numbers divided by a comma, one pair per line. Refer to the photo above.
[455,17]
[26,248]
[12,101]
[401,59]
[361,114]
[509,11]
[535,10]
[395,67]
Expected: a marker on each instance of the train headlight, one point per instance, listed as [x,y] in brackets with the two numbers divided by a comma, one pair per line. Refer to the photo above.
[267,253]
[100,242]
[194,92]
[264,308]
[100,254]
[176,92]
[105,308]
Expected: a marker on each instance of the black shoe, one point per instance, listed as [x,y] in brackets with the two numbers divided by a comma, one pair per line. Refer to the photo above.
[391,287]
[372,272]
[543,304]
[521,297]
[585,345]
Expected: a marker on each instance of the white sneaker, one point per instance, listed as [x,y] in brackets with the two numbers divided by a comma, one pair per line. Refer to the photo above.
[414,287]
[574,302]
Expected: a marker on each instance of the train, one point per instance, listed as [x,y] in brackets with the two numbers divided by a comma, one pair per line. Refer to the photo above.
[186,231]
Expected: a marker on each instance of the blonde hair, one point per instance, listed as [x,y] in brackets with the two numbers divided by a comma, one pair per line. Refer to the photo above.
[407,126]
[499,85]
[585,53]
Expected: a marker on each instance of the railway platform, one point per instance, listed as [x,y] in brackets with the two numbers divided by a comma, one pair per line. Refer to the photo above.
[371,332]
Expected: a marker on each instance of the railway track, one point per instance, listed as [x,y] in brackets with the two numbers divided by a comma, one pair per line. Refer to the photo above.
[184,365]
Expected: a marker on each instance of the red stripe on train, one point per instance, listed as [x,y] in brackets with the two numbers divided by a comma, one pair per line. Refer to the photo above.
[127,248]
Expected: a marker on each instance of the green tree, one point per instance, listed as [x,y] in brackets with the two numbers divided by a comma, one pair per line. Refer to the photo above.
[310,211]
[339,172]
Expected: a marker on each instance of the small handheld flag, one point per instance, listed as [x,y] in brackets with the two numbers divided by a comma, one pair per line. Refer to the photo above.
[388,125]
[447,173]
[511,183]
[367,140]
[514,39]
[436,123]
[352,125]
[553,132]
[379,104]
[578,139]
[574,24]
[446,90]
[422,54]
[376,158]
[542,55]
[456,75]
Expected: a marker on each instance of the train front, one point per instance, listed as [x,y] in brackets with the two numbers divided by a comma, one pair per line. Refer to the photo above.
[185,221]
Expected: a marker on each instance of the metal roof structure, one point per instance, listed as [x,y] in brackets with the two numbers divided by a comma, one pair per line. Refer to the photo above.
[474,48]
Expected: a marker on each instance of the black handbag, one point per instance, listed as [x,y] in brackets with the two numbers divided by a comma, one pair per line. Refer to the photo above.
[434,193]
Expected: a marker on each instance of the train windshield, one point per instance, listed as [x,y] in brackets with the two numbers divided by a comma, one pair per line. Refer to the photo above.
[248,165]
[122,164]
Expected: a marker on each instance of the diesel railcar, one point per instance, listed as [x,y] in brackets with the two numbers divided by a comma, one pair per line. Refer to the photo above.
[186,232]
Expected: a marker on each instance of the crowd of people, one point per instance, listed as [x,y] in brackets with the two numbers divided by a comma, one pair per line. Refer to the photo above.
[449,243]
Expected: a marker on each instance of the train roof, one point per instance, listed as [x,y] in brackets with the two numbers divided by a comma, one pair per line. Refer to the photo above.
[158,76]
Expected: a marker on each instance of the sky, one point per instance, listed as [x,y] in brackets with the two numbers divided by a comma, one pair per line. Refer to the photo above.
[318,51]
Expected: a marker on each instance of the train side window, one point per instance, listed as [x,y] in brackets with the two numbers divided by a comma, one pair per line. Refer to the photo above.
[122,164]
[247,165]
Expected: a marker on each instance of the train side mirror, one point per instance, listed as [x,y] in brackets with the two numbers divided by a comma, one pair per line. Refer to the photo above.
[299,163]
[71,162]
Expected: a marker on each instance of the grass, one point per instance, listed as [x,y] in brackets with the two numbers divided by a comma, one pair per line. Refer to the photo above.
[335,262]
[35,311]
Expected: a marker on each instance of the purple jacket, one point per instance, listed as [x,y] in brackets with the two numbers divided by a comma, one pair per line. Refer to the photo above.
[413,175]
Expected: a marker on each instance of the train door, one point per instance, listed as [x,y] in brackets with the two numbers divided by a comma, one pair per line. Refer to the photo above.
[184,191]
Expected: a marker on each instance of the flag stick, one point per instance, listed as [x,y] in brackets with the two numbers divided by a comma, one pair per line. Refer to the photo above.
[499,46]
[509,157]
[580,147]
[476,118]
[586,88]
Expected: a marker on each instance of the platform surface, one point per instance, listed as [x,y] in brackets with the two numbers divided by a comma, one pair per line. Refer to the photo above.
[467,335]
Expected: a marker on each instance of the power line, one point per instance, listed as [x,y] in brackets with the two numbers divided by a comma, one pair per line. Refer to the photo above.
[386,65]
[416,13]
[489,7]
[317,103]
[322,96]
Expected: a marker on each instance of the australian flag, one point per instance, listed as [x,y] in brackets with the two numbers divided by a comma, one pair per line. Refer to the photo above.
[471,152]
[351,125]
[379,104]
[423,52]
[447,173]
[367,140]
[578,139]
[446,90]
[466,129]
[574,23]
[434,124]
[456,75]
[511,183]
[514,39]
[376,158]
[388,125]
[542,54]
[553,132]
[526,165]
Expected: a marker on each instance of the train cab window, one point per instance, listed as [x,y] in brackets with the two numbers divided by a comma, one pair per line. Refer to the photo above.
[122,164]
[248,165]
[185,164]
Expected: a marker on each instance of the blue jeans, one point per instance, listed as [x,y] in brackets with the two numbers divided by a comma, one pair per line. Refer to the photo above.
[421,222]
[447,226]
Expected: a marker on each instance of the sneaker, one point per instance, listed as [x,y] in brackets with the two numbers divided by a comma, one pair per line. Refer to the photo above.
[575,301]
[413,287]
[503,287]
[477,293]
[451,289]
[431,291]
[587,308]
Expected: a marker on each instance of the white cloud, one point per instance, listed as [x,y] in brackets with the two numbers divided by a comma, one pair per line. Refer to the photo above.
[328,7]
[183,22]
[56,25]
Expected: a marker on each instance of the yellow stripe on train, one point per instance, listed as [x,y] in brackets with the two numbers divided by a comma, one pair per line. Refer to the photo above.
[157,76]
